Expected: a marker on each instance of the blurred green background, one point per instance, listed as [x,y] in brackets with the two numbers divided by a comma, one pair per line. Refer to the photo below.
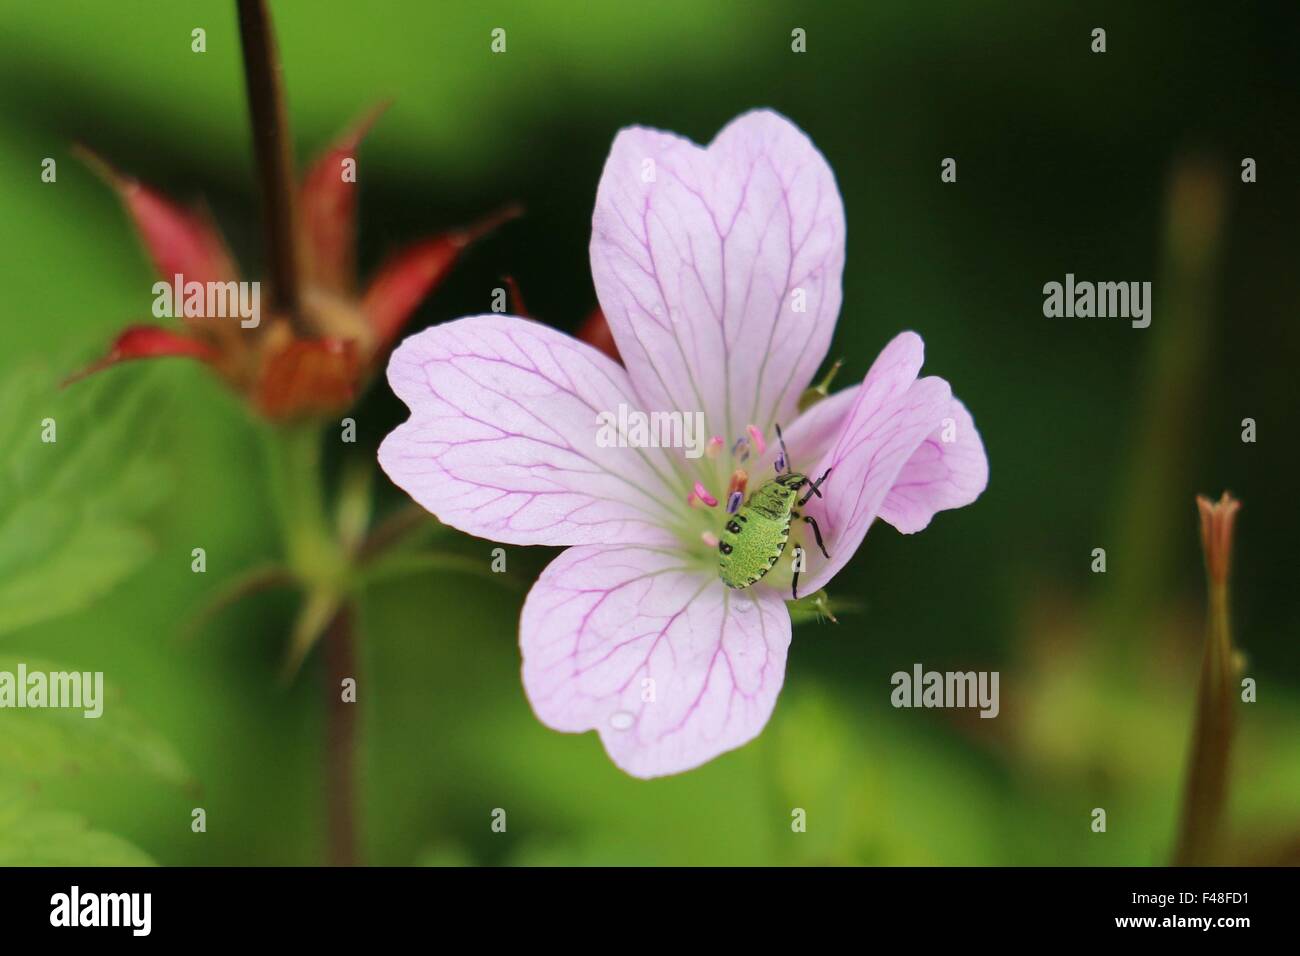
[1098,435]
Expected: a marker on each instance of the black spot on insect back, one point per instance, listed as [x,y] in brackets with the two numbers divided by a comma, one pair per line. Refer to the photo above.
[724,547]
[733,527]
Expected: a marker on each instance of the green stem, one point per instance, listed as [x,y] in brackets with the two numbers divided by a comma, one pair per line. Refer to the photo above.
[1147,516]
[312,550]
[320,564]
[340,740]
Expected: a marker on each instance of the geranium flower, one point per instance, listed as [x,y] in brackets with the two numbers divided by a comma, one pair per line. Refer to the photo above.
[719,272]
[287,367]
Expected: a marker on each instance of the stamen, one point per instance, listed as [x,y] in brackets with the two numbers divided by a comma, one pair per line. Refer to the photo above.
[702,494]
[780,462]
[709,538]
[740,450]
[714,446]
[757,437]
[736,490]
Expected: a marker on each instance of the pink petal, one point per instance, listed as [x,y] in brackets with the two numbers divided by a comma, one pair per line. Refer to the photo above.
[891,416]
[697,271]
[941,474]
[949,470]
[666,664]
[810,436]
[502,439]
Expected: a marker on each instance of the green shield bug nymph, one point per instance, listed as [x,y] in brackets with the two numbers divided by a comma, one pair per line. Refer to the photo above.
[754,538]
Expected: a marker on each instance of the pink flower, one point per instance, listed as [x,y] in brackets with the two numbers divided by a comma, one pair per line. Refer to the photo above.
[719,272]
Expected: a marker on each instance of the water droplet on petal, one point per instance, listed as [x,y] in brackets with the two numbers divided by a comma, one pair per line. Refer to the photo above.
[621,720]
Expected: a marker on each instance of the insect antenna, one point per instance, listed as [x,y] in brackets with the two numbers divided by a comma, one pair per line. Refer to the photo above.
[785,456]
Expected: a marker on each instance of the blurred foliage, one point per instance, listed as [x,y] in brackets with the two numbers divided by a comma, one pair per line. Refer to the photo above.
[40,742]
[1065,160]
[34,837]
[72,512]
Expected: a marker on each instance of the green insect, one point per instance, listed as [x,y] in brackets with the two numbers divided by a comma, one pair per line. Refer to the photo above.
[754,537]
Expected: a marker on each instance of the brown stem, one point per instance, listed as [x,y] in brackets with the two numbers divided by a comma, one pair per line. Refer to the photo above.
[273,152]
[339,650]
[1206,794]
[1205,799]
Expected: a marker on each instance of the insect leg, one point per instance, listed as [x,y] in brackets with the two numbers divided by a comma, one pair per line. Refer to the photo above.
[813,487]
[817,532]
[794,582]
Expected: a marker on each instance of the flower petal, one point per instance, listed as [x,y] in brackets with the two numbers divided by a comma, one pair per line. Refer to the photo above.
[667,665]
[949,470]
[719,270]
[503,438]
[148,341]
[891,416]
[179,241]
[810,436]
[402,283]
[327,206]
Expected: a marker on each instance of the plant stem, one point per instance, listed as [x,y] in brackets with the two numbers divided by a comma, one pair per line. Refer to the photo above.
[340,740]
[320,566]
[311,549]
[1206,793]
[314,554]
[1148,516]
[1205,799]
[272,150]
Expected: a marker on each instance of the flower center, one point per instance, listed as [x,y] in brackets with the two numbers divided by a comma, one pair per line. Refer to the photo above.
[719,489]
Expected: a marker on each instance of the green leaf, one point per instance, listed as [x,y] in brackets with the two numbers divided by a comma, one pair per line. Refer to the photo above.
[73,511]
[43,742]
[30,836]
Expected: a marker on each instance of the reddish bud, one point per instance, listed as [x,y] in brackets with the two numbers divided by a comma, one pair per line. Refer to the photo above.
[178,240]
[144,342]
[308,377]
[403,282]
[1217,521]
[327,206]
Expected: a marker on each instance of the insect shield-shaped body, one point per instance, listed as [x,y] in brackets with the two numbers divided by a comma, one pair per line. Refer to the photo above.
[756,535]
